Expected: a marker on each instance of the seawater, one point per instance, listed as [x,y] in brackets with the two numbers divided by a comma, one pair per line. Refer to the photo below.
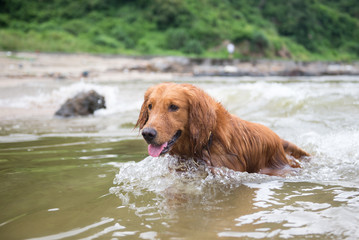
[91,178]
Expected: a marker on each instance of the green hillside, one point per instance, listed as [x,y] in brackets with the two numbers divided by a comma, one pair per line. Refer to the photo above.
[293,29]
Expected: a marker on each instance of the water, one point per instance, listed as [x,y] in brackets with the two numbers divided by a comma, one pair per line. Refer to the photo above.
[91,178]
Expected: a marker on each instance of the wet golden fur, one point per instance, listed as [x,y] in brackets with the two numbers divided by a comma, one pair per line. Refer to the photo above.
[210,133]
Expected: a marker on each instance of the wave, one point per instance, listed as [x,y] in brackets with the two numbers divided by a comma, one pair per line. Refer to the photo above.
[117,100]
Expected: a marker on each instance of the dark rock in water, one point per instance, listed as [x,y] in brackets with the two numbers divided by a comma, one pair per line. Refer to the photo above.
[83,104]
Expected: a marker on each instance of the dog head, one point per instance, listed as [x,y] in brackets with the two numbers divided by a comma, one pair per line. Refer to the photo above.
[176,118]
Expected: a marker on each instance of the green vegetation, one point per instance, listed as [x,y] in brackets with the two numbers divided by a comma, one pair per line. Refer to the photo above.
[296,29]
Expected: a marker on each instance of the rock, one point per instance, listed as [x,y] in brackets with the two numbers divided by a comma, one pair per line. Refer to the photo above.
[83,104]
[295,72]
[230,69]
[57,76]
[170,64]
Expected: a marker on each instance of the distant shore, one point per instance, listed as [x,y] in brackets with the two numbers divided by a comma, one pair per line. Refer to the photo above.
[22,65]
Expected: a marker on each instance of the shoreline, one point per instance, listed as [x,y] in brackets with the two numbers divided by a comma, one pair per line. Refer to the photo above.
[27,65]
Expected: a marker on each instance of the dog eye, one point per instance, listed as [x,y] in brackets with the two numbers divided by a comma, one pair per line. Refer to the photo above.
[149,106]
[173,108]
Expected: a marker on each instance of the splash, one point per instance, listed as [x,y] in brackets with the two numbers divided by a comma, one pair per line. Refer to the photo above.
[335,157]
[164,187]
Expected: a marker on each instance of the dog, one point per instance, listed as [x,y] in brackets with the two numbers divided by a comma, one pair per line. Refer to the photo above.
[184,121]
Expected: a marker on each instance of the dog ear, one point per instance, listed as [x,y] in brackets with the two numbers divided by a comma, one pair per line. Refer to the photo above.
[202,118]
[143,117]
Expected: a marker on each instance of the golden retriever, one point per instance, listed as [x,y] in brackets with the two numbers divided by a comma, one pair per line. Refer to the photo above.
[182,120]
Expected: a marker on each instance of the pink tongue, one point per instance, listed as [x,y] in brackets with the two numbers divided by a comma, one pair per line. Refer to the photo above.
[155,151]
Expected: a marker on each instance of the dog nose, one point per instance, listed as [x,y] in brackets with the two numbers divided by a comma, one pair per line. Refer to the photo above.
[149,134]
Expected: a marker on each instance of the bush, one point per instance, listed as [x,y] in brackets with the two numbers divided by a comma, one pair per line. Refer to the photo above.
[176,38]
[244,33]
[94,17]
[312,24]
[193,47]
[76,26]
[122,33]
[207,35]
[4,20]
[105,41]
[46,26]
[169,13]
[259,42]
[145,46]
[123,37]
[309,29]
[353,47]
[11,40]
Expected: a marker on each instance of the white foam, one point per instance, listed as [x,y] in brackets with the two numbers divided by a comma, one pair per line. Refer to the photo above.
[157,176]
[116,100]
[323,104]
[335,157]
